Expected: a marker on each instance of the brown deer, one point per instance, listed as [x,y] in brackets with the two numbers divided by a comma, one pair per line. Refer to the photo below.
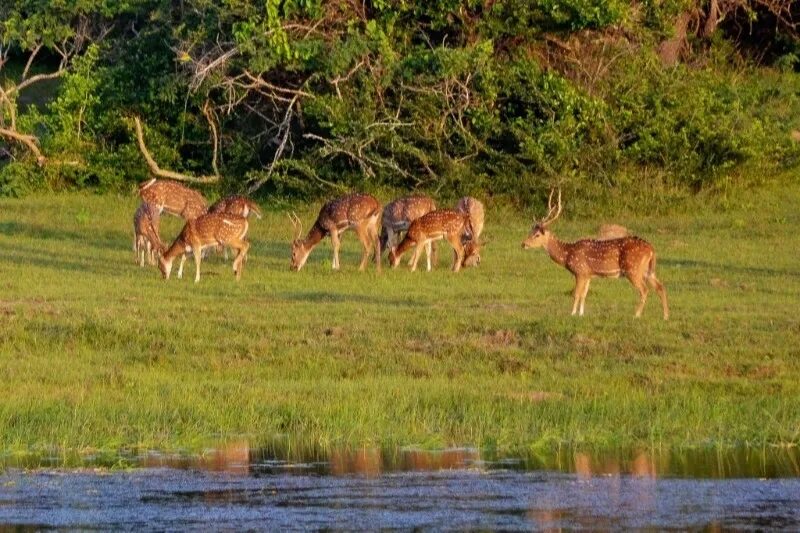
[433,226]
[631,257]
[209,230]
[174,198]
[399,214]
[236,205]
[472,248]
[359,212]
[146,239]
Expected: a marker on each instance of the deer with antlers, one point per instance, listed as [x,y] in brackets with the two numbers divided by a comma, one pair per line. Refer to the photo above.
[174,198]
[209,230]
[147,242]
[360,212]
[440,224]
[630,256]
[398,216]
[472,248]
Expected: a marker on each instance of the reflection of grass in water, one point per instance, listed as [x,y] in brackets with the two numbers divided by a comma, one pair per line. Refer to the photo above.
[97,353]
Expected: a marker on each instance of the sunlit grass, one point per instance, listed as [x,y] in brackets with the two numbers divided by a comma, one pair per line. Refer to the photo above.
[98,353]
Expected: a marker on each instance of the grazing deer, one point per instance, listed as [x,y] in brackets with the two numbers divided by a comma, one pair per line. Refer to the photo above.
[146,239]
[631,257]
[211,229]
[399,214]
[433,226]
[472,248]
[174,198]
[236,205]
[357,211]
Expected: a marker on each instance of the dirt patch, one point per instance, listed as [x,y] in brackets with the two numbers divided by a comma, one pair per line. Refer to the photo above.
[501,338]
[535,396]
[334,332]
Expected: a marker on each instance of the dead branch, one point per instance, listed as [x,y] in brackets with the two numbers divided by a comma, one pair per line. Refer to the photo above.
[212,124]
[157,170]
[285,126]
[30,60]
[258,81]
[28,140]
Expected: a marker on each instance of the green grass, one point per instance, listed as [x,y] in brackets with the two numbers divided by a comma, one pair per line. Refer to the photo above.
[96,353]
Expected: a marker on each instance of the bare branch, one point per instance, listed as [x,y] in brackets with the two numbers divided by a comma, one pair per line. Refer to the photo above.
[260,82]
[30,60]
[212,123]
[28,140]
[286,127]
[37,78]
[158,171]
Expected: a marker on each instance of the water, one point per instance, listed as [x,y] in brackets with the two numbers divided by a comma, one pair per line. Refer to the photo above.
[236,488]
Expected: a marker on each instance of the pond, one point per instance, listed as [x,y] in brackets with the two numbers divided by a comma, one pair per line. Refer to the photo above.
[235,487]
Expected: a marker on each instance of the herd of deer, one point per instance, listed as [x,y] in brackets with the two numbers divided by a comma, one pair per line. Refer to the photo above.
[415,218]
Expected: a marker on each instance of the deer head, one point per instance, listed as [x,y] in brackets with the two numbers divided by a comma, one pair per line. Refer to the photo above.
[540,233]
[165,266]
[299,251]
[472,252]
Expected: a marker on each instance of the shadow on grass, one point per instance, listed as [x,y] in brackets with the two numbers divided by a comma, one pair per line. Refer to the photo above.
[112,240]
[31,256]
[718,268]
[333,297]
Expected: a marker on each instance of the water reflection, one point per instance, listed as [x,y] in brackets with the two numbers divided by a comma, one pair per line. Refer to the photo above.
[243,457]
[232,457]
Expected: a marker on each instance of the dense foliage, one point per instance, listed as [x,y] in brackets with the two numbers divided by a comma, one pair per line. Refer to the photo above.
[302,97]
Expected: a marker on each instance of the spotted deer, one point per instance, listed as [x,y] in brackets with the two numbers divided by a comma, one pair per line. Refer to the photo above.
[472,248]
[174,198]
[440,224]
[360,212]
[631,257]
[236,205]
[398,216]
[209,230]
[147,242]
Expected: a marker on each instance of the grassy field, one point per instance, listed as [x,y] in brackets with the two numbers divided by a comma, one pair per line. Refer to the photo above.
[97,353]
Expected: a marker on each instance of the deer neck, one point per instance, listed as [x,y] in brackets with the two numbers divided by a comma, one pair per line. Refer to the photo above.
[178,247]
[557,250]
[315,235]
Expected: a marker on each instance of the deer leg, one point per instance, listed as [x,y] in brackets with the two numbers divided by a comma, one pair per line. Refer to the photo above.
[577,293]
[376,242]
[241,247]
[415,257]
[641,286]
[335,243]
[197,251]
[583,295]
[363,236]
[180,267]
[458,251]
[662,293]
[428,253]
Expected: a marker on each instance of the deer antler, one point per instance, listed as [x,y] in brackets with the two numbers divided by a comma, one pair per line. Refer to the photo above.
[550,217]
[296,224]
